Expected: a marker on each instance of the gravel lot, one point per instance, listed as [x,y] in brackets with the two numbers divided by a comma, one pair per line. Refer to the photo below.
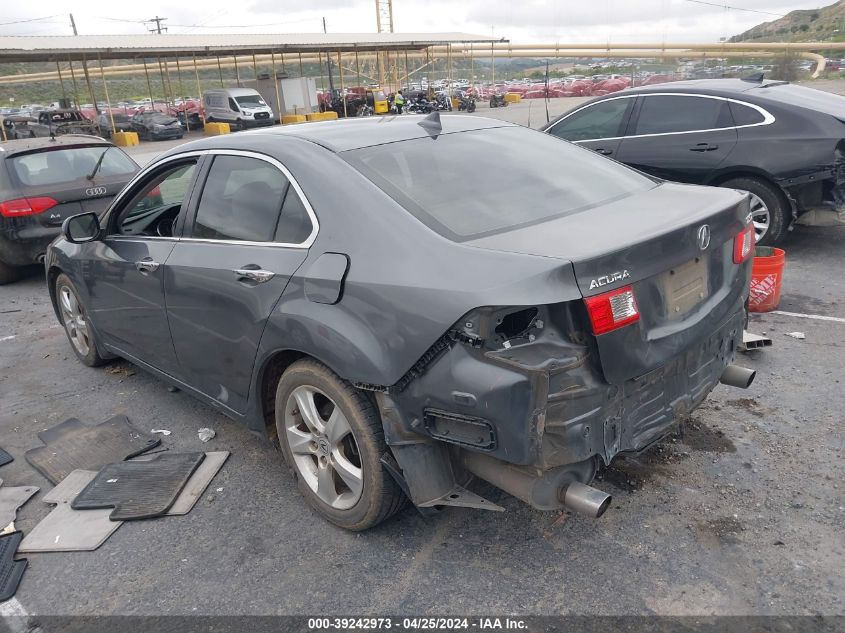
[742,514]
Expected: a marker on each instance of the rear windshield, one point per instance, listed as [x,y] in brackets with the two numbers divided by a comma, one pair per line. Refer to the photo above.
[61,166]
[469,184]
[254,100]
[804,97]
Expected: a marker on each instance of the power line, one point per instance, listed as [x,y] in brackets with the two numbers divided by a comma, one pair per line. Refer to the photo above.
[725,6]
[242,26]
[29,20]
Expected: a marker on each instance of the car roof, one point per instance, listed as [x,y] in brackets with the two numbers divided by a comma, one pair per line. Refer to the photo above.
[24,145]
[706,86]
[353,133]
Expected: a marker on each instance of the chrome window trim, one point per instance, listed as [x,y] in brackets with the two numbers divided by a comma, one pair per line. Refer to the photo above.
[768,117]
[312,216]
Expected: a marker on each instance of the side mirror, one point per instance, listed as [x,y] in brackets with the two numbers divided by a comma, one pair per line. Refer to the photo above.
[81,228]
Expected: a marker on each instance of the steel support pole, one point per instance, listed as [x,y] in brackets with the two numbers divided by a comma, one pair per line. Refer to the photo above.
[276,85]
[61,81]
[199,91]
[342,95]
[106,90]
[149,85]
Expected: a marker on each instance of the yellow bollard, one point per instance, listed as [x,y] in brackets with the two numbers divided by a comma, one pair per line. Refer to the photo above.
[513,97]
[216,129]
[125,139]
[293,118]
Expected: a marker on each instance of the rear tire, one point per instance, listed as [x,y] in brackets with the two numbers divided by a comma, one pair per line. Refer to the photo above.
[774,205]
[80,334]
[8,273]
[334,449]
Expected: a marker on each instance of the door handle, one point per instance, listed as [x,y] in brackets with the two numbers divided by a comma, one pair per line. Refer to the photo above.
[703,147]
[147,266]
[258,276]
[603,151]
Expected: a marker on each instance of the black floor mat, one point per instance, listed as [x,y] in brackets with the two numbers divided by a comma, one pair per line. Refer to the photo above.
[11,570]
[5,458]
[139,489]
[73,445]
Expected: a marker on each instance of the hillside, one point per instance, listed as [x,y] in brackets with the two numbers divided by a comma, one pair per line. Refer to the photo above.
[805,25]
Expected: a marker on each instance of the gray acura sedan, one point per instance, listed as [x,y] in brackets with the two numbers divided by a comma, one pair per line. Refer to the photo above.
[407,302]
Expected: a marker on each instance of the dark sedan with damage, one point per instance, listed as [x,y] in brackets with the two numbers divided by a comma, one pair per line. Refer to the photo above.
[407,302]
[782,143]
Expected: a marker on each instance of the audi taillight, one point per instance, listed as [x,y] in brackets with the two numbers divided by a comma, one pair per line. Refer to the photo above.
[744,244]
[26,206]
[612,310]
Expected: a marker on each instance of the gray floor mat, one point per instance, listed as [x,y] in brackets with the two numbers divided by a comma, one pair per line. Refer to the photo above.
[12,498]
[139,489]
[73,445]
[198,482]
[66,529]
[5,458]
[11,570]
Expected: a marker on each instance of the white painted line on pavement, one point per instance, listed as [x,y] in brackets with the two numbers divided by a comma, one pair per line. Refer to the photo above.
[817,317]
[7,338]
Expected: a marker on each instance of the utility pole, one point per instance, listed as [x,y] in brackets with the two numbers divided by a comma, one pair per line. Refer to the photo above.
[158,28]
[85,70]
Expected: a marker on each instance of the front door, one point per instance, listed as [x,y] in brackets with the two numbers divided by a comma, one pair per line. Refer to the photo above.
[248,236]
[126,284]
[679,137]
[598,126]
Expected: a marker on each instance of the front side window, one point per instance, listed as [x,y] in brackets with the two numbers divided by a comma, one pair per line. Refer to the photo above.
[605,119]
[242,200]
[153,209]
[663,114]
[232,105]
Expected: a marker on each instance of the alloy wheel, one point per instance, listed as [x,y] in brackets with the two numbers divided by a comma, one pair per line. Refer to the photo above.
[323,447]
[760,216]
[74,320]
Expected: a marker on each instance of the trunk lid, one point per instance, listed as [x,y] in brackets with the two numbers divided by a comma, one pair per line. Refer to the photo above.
[651,242]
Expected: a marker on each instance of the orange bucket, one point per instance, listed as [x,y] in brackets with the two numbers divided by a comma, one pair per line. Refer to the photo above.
[766,279]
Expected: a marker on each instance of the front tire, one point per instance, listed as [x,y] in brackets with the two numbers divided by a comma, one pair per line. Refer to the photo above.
[770,210]
[332,438]
[80,334]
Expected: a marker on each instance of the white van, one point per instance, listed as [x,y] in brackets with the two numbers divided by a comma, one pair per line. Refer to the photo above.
[239,107]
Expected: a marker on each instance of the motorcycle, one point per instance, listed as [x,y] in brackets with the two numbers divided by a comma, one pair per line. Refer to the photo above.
[498,101]
[467,103]
[420,105]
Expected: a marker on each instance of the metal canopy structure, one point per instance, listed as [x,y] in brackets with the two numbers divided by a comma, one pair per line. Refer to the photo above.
[37,48]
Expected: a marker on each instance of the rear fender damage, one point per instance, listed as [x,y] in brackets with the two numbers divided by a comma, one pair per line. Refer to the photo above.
[818,196]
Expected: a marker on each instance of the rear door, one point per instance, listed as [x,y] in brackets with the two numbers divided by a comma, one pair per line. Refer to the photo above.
[598,126]
[679,137]
[250,232]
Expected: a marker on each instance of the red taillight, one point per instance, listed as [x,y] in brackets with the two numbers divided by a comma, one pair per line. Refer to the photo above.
[612,310]
[26,206]
[744,244]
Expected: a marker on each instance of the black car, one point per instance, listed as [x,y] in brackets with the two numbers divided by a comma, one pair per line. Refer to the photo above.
[114,122]
[156,126]
[402,301]
[44,181]
[783,143]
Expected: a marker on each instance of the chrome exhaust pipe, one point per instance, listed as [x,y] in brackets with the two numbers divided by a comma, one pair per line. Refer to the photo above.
[585,499]
[737,376]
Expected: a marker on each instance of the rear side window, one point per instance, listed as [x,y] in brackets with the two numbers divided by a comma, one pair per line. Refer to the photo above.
[468,184]
[743,115]
[664,114]
[602,120]
[61,166]
[243,199]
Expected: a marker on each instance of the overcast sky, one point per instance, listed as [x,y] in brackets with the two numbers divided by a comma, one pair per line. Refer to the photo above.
[521,21]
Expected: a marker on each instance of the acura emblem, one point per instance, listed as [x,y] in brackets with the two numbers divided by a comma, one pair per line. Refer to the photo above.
[703,237]
[95,191]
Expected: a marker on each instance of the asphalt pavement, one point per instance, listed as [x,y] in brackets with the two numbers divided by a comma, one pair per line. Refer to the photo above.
[742,514]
